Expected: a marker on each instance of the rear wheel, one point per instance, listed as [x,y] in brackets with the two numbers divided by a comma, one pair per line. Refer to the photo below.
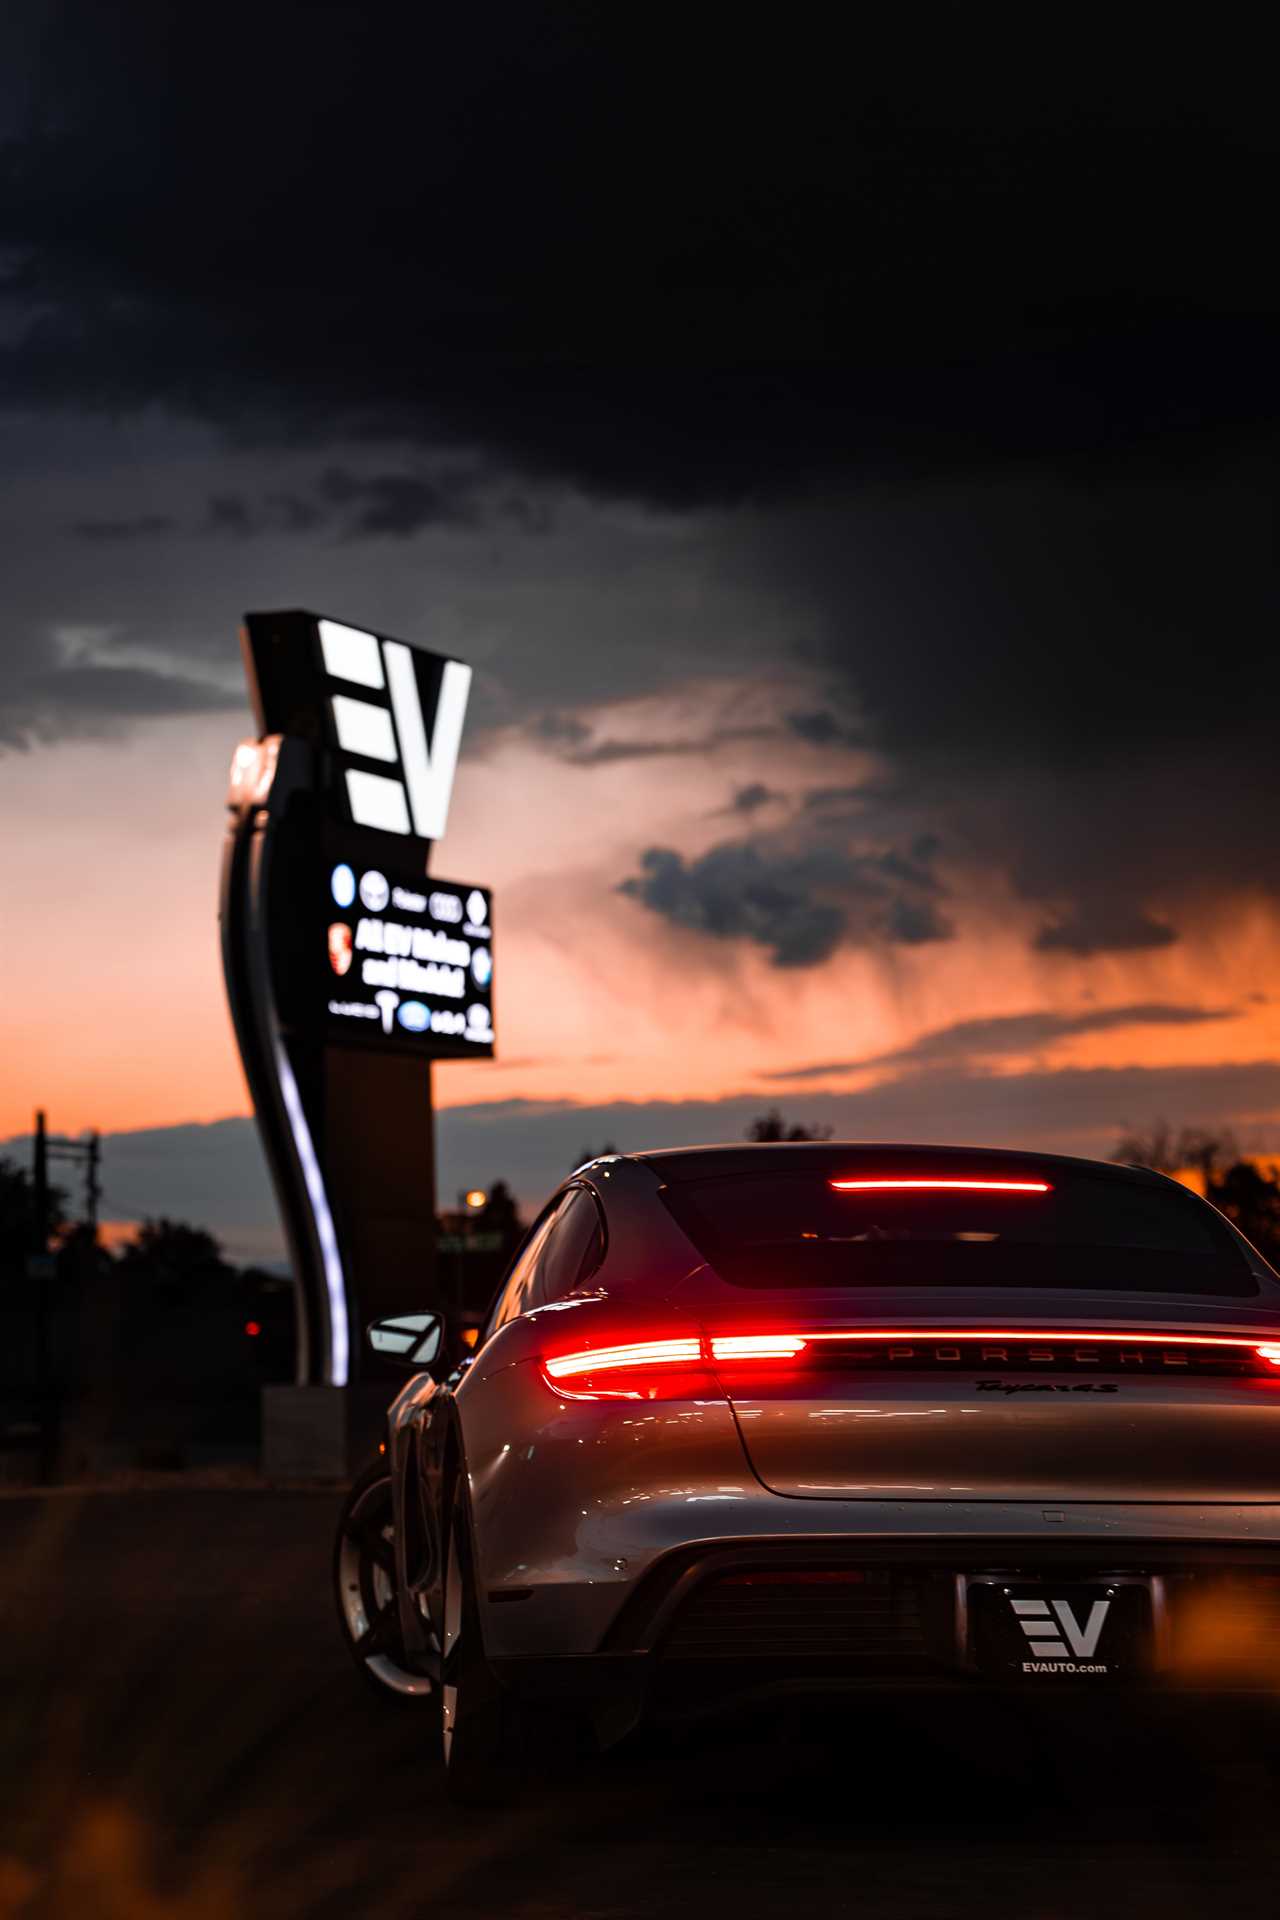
[364,1579]
[480,1726]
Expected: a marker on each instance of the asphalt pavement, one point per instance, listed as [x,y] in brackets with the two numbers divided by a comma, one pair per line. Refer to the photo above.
[184,1738]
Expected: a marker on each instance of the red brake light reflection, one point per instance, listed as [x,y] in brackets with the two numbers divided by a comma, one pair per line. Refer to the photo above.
[757,1346]
[937,1186]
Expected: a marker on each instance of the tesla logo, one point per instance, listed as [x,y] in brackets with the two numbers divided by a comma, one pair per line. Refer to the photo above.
[392,729]
[1053,1631]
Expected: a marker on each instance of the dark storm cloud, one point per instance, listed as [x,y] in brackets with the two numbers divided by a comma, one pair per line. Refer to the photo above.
[277,512]
[1105,931]
[987,337]
[824,729]
[141,526]
[124,692]
[372,506]
[969,1041]
[571,740]
[604,753]
[1074,672]
[399,504]
[472,232]
[54,691]
[819,799]
[798,900]
[751,798]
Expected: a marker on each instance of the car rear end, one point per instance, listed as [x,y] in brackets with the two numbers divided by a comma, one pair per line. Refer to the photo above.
[925,1418]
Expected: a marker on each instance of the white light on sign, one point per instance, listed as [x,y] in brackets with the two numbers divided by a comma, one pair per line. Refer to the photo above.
[342,884]
[331,1259]
[363,728]
[428,771]
[377,801]
[350,654]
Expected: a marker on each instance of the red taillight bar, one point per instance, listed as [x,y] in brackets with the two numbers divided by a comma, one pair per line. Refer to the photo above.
[757,1346]
[639,1353]
[931,1186]
[692,1351]
[707,1350]
[1081,1335]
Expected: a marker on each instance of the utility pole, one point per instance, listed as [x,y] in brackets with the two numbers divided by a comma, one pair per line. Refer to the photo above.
[40,1181]
[56,1146]
[92,1184]
[41,1267]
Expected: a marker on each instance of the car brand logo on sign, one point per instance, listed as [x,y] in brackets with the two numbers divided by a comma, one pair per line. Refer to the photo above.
[1054,1634]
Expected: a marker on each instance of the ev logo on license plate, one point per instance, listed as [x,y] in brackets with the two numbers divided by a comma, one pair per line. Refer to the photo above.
[1054,1633]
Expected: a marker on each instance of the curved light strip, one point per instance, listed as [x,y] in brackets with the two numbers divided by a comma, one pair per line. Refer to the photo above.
[339,1329]
[640,1353]
[929,1186]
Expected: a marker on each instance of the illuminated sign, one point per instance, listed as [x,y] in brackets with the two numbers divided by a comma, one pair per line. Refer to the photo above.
[349,964]
[390,715]
[407,961]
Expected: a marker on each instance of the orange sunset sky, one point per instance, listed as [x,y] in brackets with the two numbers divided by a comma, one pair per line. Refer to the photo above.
[114,1014]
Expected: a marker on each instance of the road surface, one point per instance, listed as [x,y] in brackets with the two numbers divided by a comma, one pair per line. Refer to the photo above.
[184,1739]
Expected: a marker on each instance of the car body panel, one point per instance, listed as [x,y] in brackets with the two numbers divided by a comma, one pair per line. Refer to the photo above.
[1008,1435]
[577,1504]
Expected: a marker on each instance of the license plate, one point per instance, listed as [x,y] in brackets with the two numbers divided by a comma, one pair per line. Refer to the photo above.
[1049,1631]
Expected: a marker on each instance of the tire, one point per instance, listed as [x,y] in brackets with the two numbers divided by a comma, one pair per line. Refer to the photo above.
[482,1731]
[364,1584]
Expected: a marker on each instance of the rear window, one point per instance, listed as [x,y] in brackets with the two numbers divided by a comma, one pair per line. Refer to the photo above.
[1087,1232]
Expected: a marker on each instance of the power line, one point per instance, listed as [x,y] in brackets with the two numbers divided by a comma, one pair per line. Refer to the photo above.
[56,1146]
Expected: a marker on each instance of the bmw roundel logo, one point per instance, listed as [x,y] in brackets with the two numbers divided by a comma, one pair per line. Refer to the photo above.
[342,885]
[374,890]
[482,966]
[413,1015]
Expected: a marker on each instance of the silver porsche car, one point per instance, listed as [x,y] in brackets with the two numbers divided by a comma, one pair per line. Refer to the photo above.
[747,1421]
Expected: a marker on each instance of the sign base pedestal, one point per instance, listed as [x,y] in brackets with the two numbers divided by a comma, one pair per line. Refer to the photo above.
[305,1433]
[322,1433]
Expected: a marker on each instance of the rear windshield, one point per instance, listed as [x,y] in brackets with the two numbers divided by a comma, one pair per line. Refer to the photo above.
[1087,1232]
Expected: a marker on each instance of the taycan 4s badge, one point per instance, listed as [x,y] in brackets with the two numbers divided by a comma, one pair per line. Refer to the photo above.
[1054,1634]
[1046,1386]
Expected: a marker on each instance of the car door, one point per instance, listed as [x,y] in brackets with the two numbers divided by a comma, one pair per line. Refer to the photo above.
[428,1414]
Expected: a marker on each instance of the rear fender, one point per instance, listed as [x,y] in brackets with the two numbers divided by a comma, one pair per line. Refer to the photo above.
[564,1491]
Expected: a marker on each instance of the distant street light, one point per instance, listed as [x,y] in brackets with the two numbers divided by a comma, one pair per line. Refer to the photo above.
[476,1198]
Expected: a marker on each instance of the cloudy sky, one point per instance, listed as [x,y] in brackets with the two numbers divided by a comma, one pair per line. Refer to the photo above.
[850,469]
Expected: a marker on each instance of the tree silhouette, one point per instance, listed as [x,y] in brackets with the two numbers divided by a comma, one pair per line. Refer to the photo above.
[18,1226]
[771,1126]
[501,1214]
[1165,1150]
[1249,1197]
[171,1255]
[1251,1201]
[594,1153]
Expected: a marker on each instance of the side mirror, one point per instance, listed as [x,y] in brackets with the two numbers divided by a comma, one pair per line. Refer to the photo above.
[408,1340]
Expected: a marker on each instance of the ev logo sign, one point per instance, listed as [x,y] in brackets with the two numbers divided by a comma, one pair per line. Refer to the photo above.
[1054,1633]
[390,727]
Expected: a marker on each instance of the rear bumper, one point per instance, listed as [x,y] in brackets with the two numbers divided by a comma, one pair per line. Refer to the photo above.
[710,1625]
[601,1573]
